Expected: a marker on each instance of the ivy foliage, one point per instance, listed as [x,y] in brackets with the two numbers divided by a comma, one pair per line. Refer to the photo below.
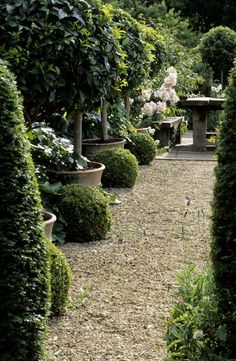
[223,248]
[23,255]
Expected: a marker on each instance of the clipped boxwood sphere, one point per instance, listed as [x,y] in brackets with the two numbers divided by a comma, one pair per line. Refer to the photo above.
[143,146]
[61,276]
[86,212]
[121,167]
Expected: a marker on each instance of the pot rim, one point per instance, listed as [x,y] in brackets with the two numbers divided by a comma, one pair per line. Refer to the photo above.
[52,218]
[100,167]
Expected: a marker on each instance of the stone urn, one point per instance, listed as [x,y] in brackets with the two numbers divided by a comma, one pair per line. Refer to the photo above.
[48,222]
[91,175]
[92,146]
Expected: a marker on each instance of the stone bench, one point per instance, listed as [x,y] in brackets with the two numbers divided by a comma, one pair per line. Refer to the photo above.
[169,130]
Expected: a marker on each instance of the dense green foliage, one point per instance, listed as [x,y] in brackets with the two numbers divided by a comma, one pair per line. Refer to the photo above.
[23,255]
[121,167]
[203,15]
[218,49]
[140,53]
[63,53]
[38,38]
[60,276]
[86,213]
[52,151]
[147,10]
[224,218]
[194,330]
[143,146]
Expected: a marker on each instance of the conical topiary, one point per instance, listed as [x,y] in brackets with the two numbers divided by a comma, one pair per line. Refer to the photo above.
[224,220]
[23,255]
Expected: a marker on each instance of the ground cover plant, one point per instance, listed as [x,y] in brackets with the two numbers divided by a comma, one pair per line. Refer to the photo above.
[24,282]
[194,330]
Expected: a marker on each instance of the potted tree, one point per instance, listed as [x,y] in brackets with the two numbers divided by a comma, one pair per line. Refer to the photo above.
[110,79]
[49,83]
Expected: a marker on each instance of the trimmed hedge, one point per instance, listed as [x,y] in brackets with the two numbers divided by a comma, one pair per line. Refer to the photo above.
[24,281]
[61,276]
[143,146]
[86,213]
[223,250]
[121,167]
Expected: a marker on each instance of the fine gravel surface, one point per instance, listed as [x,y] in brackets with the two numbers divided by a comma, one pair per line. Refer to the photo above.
[124,286]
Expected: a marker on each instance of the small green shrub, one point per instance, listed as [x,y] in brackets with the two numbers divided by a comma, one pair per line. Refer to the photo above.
[143,146]
[86,212]
[121,167]
[194,330]
[61,276]
[24,269]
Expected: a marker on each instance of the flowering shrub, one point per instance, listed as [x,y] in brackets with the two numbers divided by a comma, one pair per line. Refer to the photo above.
[165,96]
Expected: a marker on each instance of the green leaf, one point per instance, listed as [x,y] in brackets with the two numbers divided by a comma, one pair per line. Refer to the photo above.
[62,14]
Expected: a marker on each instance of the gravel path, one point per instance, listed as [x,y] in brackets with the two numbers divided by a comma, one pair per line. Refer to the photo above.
[124,286]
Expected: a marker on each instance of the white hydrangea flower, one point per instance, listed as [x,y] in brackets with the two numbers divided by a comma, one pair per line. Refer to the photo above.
[173,97]
[161,107]
[164,93]
[146,94]
[148,109]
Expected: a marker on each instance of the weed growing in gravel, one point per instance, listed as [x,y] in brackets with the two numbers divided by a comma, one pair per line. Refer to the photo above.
[83,298]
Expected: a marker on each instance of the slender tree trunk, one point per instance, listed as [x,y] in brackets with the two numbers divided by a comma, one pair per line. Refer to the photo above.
[78,132]
[127,103]
[104,123]
[222,78]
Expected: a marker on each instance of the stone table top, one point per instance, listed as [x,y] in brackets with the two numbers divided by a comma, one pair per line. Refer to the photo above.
[202,102]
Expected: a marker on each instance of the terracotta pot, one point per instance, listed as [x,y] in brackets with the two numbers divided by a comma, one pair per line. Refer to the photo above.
[91,176]
[91,146]
[49,220]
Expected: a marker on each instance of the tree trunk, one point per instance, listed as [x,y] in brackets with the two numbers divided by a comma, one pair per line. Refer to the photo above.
[127,103]
[222,78]
[78,132]
[104,123]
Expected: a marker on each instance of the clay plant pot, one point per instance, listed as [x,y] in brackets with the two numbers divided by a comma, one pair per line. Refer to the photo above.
[91,176]
[92,146]
[49,220]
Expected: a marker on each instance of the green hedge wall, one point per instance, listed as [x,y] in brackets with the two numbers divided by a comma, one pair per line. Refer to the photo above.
[23,255]
[224,219]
